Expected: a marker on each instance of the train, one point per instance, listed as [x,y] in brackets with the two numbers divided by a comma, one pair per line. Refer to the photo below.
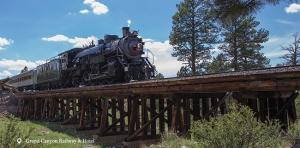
[112,60]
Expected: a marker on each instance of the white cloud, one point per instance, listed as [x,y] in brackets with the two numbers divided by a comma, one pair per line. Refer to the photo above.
[284,22]
[98,8]
[164,62]
[293,8]
[5,74]
[57,38]
[5,42]
[18,65]
[84,11]
[272,48]
[78,42]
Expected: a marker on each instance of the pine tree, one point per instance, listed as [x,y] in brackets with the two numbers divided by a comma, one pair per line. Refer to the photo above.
[242,43]
[192,34]
[219,64]
[231,9]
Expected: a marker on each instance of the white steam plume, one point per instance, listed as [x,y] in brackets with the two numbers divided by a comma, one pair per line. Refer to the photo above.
[129,22]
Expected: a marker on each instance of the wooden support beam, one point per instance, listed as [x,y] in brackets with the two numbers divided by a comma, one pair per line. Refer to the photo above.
[161,103]
[113,124]
[82,115]
[88,122]
[263,108]
[214,101]
[196,109]
[28,109]
[67,109]
[205,107]
[133,115]
[144,115]
[129,138]
[217,105]
[153,114]
[114,113]
[287,104]
[74,105]
[122,113]
[186,115]
[104,114]
[35,113]
[44,108]
[23,109]
[54,119]
[176,110]
[74,116]
[18,107]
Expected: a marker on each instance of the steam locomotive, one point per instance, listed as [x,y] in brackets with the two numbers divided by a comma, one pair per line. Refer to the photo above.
[113,60]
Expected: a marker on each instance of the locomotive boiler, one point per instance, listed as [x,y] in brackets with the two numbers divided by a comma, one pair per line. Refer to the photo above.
[112,60]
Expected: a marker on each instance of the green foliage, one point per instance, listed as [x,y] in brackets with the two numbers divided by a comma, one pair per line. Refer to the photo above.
[25,69]
[219,64]
[159,76]
[242,43]
[8,138]
[171,140]
[237,129]
[294,130]
[193,32]
[233,9]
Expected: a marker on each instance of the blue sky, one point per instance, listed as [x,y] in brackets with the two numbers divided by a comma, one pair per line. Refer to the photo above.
[33,31]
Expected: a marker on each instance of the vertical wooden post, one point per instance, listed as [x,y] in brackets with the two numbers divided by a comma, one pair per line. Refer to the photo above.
[122,112]
[175,112]
[196,108]
[35,108]
[263,106]
[114,113]
[152,114]
[162,117]
[104,113]
[44,109]
[99,111]
[186,114]
[144,114]
[93,111]
[62,109]
[214,102]
[74,105]
[29,109]
[82,114]
[133,115]
[67,109]
[205,107]
[272,107]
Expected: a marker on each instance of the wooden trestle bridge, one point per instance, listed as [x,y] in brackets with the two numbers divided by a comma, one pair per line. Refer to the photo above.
[142,110]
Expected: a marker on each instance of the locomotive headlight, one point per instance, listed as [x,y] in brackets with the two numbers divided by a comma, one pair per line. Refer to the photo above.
[139,47]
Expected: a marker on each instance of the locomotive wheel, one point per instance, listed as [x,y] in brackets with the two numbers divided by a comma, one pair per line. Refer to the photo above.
[109,81]
[101,81]
[127,78]
[86,78]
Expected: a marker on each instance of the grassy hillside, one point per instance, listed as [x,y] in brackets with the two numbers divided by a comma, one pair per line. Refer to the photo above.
[42,134]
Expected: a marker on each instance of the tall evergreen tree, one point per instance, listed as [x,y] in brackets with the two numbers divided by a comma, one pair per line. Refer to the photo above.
[192,34]
[293,57]
[219,64]
[231,9]
[242,43]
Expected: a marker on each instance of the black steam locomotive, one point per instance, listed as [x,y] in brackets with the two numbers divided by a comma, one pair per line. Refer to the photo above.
[113,60]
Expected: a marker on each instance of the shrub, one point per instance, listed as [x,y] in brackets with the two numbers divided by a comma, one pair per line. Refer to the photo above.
[8,137]
[239,128]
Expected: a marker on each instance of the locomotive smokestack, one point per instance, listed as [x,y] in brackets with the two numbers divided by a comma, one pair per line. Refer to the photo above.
[125,31]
